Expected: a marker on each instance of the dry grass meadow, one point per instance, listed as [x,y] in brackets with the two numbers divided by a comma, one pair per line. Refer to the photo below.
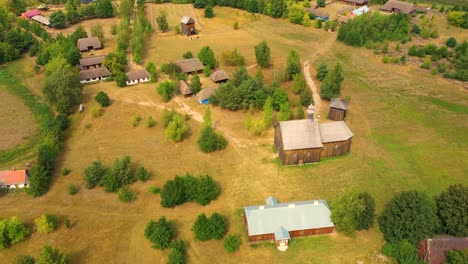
[410,133]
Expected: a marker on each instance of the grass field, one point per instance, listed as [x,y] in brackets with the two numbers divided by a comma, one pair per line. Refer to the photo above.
[410,133]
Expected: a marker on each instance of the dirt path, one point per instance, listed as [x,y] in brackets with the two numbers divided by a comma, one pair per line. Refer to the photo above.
[313,88]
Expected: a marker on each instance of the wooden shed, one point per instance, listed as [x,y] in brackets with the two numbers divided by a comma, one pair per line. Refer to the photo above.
[279,222]
[219,76]
[338,109]
[187,26]
[184,88]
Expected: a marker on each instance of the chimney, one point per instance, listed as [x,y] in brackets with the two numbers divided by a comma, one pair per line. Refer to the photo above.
[292,205]
[310,112]
[316,203]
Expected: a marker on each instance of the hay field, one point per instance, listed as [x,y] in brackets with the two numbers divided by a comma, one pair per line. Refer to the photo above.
[410,133]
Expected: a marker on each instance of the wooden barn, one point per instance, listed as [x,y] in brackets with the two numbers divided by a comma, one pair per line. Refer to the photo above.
[14,179]
[434,250]
[86,44]
[395,6]
[187,26]
[280,222]
[92,62]
[336,139]
[184,89]
[219,76]
[338,109]
[189,66]
[356,2]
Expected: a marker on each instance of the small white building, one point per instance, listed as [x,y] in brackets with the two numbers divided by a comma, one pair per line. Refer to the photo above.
[14,179]
[94,75]
[140,76]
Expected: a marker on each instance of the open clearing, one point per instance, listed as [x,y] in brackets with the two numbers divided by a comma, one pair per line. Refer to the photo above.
[408,135]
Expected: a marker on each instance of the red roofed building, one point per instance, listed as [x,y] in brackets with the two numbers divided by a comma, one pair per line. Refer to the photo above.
[14,179]
[434,250]
[29,14]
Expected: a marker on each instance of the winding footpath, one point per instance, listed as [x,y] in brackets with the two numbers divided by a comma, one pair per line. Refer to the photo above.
[313,88]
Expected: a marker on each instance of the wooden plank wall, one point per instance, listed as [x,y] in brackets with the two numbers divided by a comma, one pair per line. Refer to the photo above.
[336,114]
[333,149]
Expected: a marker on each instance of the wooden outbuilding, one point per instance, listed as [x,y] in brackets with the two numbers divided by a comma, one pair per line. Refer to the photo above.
[184,88]
[94,75]
[188,66]
[14,179]
[336,138]
[434,250]
[86,44]
[338,109]
[279,222]
[139,76]
[219,76]
[356,2]
[92,62]
[187,26]
[204,95]
[395,6]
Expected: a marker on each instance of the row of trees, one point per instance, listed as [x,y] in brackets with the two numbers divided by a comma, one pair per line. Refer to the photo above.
[141,29]
[331,80]
[207,228]
[162,234]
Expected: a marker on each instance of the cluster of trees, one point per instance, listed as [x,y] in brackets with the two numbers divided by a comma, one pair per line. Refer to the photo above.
[209,140]
[162,234]
[458,18]
[75,12]
[331,83]
[233,58]
[373,28]
[46,223]
[141,29]
[353,211]
[202,189]
[48,255]
[176,129]
[12,231]
[207,228]
[116,62]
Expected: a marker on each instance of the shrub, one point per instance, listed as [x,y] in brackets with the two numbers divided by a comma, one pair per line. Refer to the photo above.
[150,122]
[177,253]
[94,173]
[12,231]
[166,116]
[322,71]
[209,228]
[385,59]
[425,33]
[160,233]
[126,194]
[293,64]
[232,243]
[72,189]
[155,190]
[24,259]
[233,58]
[166,90]
[209,140]
[352,211]
[403,59]
[427,63]
[142,174]
[195,84]
[209,13]
[176,129]
[207,71]
[451,42]
[207,190]
[161,19]
[441,68]
[67,223]
[102,98]
[119,175]
[51,255]
[46,223]
[457,256]
[187,55]
[235,25]
[136,120]
[262,54]
[39,180]
[206,56]
[452,209]
[331,85]
[65,171]
[403,251]
[97,111]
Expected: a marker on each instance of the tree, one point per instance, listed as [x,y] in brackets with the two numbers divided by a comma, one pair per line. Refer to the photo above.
[177,253]
[321,3]
[200,3]
[306,21]
[176,129]
[94,173]
[72,15]
[173,193]
[209,140]
[24,259]
[38,180]
[57,19]
[206,56]
[451,42]
[151,68]
[457,257]
[285,112]
[209,13]
[195,84]
[365,220]
[231,243]
[160,233]
[458,19]
[166,90]
[233,58]
[206,228]
[403,251]
[452,209]
[104,8]
[102,98]
[279,97]
[46,223]
[97,31]
[119,174]
[293,64]
[12,231]
[262,54]
[305,97]
[62,85]
[51,255]
[322,71]
[207,190]
[296,13]
[352,211]
[299,83]
[409,215]
[116,63]
[218,226]
[331,85]
[16,6]
[300,113]
[163,26]
[268,112]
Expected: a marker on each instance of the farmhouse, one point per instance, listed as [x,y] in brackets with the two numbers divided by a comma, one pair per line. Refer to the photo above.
[204,95]
[92,62]
[395,6]
[29,14]
[322,15]
[94,75]
[356,2]
[14,179]
[86,44]
[434,250]
[187,26]
[219,76]
[139,76]
[184,88]
[192,65]
[282,221]
[41,20]
[338,109]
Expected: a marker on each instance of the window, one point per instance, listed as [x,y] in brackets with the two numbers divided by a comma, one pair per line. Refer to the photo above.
[308,154]
[336,146]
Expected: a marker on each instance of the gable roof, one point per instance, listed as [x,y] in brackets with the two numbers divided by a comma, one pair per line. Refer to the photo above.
[359,2]
[84,43]
[281,218]
[13,177]
[281,233]
[406,8]
[92,61]
[31,13]
[335,131]
[139,74]
[339,103]
[184,88]
[190,65]
[271,200]
[41,19]
[219,76]
[187,20]
[94,73]
[205,93]
[300,134]
[434,250]
[318,12]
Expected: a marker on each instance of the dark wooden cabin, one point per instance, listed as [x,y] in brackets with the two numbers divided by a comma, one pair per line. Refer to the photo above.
[187,26]
[338,109]
[336,139]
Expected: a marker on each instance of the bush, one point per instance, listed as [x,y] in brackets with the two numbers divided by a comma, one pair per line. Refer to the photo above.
[232,243]
[103,99]
[51,255]
[46,223]
[457,256]
[262,54]
[24,259]
[65,171]
[142,174]
[94,173]
[160,233]
[72,189]
[385,59]
[209,228]
[233,58]
[176,129]
[12,231]
[206,56]
[427,63]
[209,13]
[293,64]
[67,223]
[166,90]
[187,55]
[451,42]
[136,120]
[150,122]
[119,175]
[177,253]
[353,211]
[452,209]
[403,251]
[155,190]
[97,111]
[322,71]
[126,194]
[235,26]
[39,180]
